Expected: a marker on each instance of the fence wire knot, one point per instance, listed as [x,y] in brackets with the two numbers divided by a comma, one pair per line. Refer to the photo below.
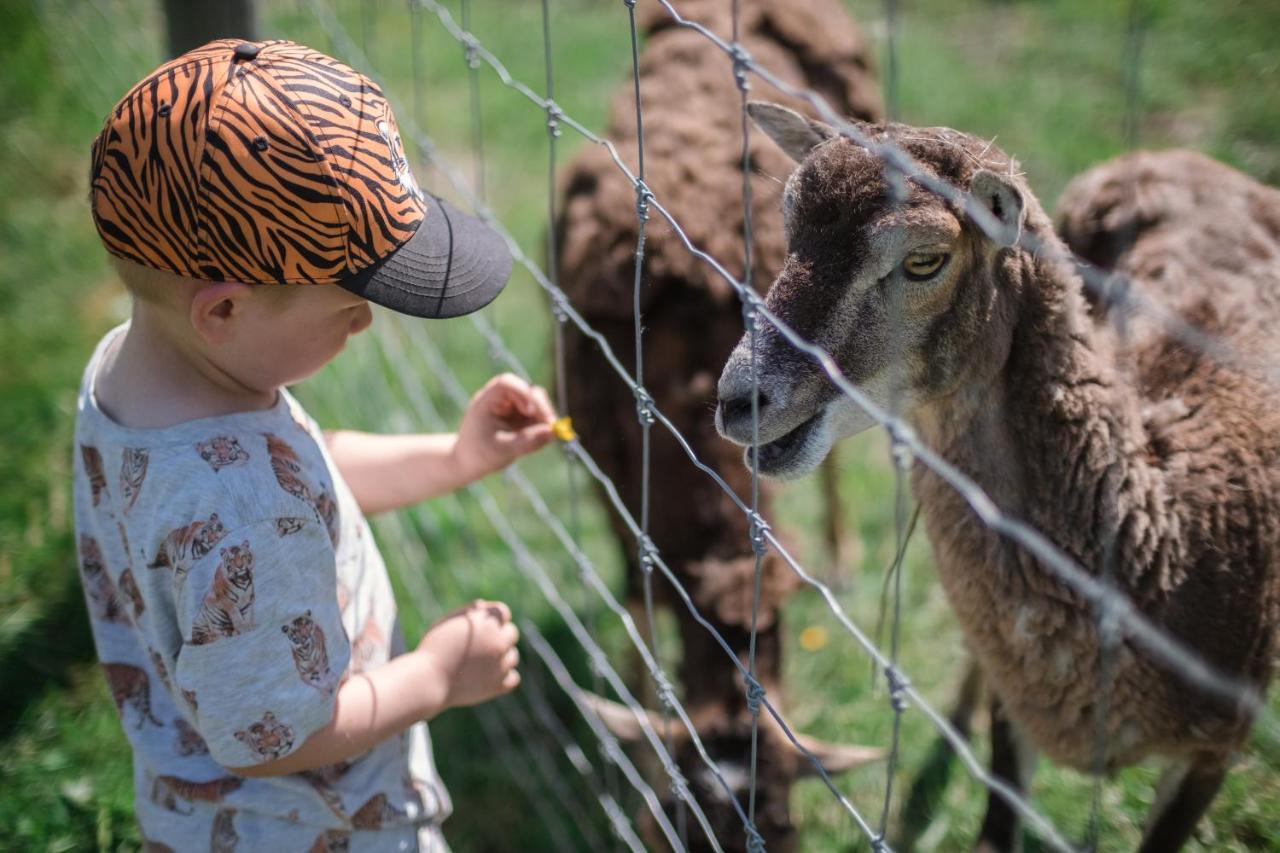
[554,115]
[879,845]
[644,407]
[898,684]
[630,4]
[899,444]
[648,553]
[759,541]
[750,306]
[643,196]
[755,694]
[471,50]
[679,785]
[666,693]
[755,842]
[741,60]
[558,310]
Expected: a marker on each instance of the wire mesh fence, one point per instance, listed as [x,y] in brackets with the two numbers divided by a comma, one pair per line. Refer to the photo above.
[403,343]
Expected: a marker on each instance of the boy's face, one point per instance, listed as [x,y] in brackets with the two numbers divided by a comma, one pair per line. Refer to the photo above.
[283,334]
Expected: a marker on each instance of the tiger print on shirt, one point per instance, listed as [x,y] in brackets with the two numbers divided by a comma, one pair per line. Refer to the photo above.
[228,606]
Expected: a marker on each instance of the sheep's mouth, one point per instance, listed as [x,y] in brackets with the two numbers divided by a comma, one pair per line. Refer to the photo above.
[785,456]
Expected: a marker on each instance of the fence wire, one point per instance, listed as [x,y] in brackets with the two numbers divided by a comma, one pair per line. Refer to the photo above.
[896,162]
[908,449]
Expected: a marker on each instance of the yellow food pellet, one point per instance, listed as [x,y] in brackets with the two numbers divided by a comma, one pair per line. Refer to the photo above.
[813,638]
[563,428]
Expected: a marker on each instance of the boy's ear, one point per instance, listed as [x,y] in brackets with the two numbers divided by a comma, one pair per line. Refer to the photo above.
[215,307]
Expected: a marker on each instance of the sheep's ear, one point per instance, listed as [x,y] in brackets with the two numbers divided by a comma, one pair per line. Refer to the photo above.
[1003,200]
[795,134]
[624,722]
[835,757]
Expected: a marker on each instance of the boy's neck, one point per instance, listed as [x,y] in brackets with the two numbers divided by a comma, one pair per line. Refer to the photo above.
[154,379]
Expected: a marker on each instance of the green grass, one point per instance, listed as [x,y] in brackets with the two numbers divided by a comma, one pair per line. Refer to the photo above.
[1045,78]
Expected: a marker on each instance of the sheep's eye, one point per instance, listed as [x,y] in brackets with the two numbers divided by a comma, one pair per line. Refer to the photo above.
[921,267]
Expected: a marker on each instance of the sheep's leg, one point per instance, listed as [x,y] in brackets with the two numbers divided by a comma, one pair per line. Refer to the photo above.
[1013,762]
[1182,797]
[930,783]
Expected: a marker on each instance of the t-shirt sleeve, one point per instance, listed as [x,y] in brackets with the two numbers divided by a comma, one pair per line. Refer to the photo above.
[263,643]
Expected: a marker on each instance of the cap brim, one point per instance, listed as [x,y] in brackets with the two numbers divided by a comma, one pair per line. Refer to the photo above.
[452,265]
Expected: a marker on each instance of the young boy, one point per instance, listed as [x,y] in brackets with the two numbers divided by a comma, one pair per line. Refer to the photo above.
[255,198]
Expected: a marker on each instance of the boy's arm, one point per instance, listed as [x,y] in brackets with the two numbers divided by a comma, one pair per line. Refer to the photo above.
[506,419]
[466,658]
[369,708]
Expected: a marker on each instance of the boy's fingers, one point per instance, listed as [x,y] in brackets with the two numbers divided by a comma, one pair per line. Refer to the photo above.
[511,659]
[543,403]
[511,633]
[511,680]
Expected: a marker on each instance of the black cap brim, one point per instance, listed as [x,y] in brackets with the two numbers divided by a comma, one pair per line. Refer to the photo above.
[452,265]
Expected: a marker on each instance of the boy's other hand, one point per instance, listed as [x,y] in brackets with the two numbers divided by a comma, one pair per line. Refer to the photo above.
[474,653]
[505,420]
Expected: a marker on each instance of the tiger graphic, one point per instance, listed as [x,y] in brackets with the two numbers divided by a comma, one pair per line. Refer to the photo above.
[94,470]
[222,835]
[162,671]
[367,647]
[166,791]
[399,163]
[323,779]
[327,511]
[189,741]
[268,738]
[286,465]
[227,609]
[129,586]
[289,525]
[375,813]
[222,451]
[130,686]
[184,545]
[189,696]
[149,846]
[332,841]
[133,470]
[309,653]
[104,600]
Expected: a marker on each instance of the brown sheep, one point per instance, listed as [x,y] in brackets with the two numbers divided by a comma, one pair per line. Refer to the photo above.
[692,319]
[1132,451]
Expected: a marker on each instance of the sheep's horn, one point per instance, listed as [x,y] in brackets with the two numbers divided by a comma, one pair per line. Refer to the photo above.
[625,722]
[835,757]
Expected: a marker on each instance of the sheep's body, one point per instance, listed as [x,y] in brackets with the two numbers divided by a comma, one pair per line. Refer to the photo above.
[692,319]
[1152,464]
[1094,438]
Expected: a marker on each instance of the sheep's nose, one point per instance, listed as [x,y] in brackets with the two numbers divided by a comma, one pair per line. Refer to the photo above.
[735,411]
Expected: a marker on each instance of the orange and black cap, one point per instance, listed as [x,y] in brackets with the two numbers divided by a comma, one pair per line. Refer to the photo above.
[271,163]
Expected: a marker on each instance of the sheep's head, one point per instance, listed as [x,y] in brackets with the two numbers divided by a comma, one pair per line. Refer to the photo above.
[727,739]
[898,284]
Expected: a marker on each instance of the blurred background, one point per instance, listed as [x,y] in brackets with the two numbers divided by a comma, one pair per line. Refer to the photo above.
[1047,79]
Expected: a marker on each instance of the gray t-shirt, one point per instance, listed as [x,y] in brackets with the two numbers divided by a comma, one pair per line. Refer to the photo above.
[233,584]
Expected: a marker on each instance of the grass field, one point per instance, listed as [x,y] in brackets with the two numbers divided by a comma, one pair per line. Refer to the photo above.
[1046,78]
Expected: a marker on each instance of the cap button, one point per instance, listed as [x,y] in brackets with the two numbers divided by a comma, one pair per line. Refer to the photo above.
[245,51]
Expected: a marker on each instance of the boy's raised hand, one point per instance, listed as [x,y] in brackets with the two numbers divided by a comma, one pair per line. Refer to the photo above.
[505,420]
[474,653]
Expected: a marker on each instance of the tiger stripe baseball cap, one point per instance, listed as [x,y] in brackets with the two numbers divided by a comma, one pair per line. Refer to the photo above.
[271,163]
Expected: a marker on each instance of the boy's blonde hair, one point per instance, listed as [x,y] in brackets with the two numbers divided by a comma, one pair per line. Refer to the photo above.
[159,287]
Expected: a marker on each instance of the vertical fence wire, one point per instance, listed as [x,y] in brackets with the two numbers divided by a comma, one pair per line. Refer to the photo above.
[757,542]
